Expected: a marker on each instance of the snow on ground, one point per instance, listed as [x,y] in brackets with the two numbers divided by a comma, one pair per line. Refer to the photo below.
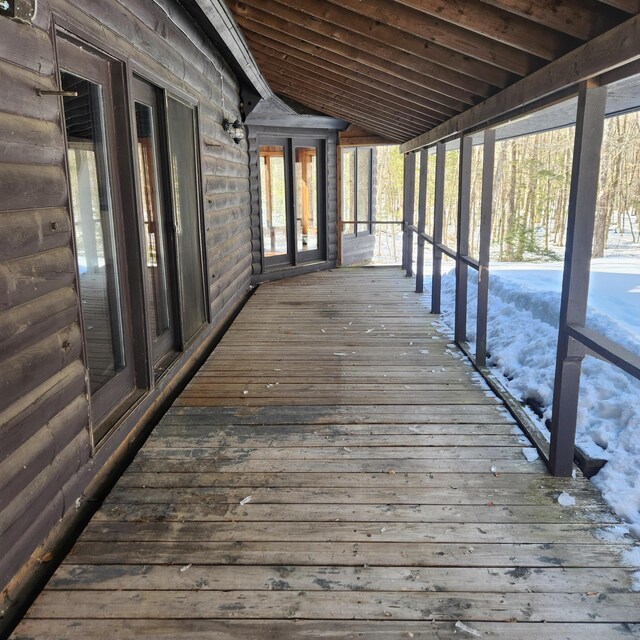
[524,304]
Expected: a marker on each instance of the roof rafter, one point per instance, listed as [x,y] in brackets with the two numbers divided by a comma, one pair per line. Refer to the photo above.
[382,69]
[370,37]
[335,72]
[501,26]
[582,19]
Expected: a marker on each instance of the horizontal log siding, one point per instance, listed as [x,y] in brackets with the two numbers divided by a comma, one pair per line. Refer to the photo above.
[45,444]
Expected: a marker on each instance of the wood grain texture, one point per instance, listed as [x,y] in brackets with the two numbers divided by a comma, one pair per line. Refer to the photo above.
[303,511]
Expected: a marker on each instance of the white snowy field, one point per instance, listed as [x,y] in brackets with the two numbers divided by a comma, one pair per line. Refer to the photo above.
[524,304]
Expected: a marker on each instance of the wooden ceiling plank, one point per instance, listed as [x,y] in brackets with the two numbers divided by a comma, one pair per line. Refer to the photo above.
[494,23]
[397,91]
[370,37]
[630,6]
[342,91]
[498,38]
[434,31]
[347,104]
[612,49]
[584,19]
[269,55]
[382,69]
[287,69]
[383,128]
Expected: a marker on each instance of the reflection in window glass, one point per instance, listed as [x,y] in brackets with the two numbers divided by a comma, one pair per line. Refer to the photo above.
[273,204]
[94,229]
[348,184]
[364,185]
[155,242]
[184,175]
[306,193]
[614,284]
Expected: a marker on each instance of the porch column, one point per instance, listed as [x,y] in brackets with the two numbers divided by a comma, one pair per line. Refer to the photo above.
[583,196]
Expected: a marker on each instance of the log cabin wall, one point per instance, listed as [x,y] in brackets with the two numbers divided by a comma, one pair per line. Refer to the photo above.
[48,462]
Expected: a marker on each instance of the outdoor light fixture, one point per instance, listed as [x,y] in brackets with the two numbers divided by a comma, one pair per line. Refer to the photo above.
[235,130]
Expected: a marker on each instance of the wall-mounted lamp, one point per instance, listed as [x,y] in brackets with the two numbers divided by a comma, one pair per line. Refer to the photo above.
[20,10]
[235,129]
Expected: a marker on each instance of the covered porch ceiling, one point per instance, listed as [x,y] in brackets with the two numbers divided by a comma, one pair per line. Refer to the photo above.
[399,68]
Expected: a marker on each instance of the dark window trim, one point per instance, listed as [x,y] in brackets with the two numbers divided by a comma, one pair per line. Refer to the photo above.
[290,139]
[125,383]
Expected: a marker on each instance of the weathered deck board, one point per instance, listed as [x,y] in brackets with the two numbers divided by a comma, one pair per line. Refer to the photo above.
[389,496]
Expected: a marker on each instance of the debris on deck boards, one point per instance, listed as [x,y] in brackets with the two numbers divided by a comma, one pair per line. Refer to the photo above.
[530,454]
[566,500]
[467,629]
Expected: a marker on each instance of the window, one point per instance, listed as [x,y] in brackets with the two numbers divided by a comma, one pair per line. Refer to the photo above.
[273,205]
[96,209]
[157,260]
[183,165]
[166,237]
[357,189]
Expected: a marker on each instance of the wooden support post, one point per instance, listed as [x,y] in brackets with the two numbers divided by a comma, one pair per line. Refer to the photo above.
[407,208]
[486,206]
[438,213]
[583,196]
[422,210]
[464,201]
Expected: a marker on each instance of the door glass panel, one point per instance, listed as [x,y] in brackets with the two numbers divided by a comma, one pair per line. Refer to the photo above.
[364,185]
[273,205]
[306,172]
[184,183]
[155,263]
[94,229]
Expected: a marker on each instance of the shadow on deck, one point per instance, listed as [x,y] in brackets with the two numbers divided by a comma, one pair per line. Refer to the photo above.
[335,470]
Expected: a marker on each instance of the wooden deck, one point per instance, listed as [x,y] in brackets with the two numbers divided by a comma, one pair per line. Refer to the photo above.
[335,471]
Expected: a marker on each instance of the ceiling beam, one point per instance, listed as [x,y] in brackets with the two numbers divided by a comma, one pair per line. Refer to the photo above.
[612,49]
[296,75]
[630,6]
[435,31]
[498,25]
[335,73]
[370,37]
[584,19]
[309,43]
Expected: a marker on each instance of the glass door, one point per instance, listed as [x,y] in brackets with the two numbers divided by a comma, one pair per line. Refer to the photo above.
[98,234]
[308,227]
[274,204]
[184,182]
[157,260]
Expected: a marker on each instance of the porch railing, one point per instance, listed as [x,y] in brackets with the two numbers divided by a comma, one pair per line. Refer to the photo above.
[575,339]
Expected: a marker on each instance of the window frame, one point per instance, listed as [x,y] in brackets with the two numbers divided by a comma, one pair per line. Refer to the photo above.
[369,220]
